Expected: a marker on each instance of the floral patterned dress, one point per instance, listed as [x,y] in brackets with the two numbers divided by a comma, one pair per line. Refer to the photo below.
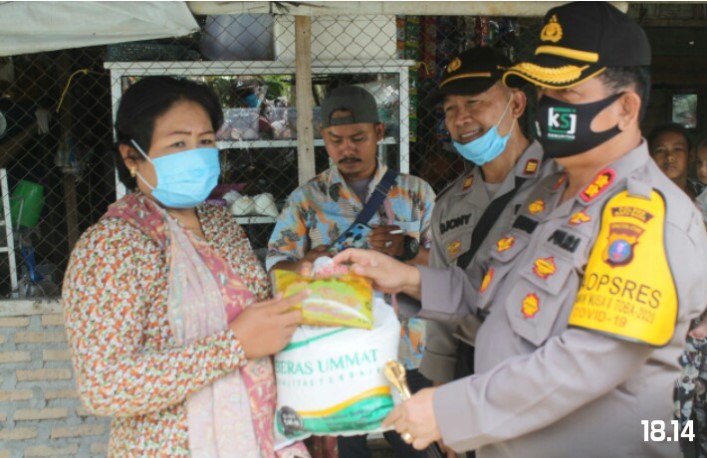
[127,363]
[690,396]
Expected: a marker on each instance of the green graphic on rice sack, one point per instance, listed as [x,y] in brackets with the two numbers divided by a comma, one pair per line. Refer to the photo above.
[363,412]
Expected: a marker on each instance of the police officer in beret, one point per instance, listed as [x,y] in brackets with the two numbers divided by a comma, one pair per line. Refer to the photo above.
[482,117]
[587,299]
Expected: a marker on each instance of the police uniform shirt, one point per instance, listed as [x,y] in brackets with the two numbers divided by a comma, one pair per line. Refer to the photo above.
[456,213]
[459,206]
[624,262]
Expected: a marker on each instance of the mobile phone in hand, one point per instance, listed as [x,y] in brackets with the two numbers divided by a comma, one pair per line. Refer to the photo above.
[354,237]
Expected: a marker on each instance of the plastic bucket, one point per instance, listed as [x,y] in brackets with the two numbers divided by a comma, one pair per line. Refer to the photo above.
[26,204]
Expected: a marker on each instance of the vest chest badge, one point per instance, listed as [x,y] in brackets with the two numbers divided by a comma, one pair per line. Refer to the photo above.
[579,218]
[454,248]
[536,207]
[600,184]
[544,267]
[468,181]
[628,288]
[622,239]
[487,280]
[505,243]
[530,306]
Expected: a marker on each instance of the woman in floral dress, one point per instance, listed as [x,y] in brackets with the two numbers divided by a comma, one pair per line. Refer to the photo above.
[167,309]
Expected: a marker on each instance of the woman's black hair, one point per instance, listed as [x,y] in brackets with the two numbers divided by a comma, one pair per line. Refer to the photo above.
[147,100]
[670,127]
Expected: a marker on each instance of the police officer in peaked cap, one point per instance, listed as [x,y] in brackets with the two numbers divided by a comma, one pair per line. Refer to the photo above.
[482,116]
[587,299]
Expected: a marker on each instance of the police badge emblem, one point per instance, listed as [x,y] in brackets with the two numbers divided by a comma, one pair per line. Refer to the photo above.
[505,243]
[530,306]
[536,207]
[544,267]
[454,65]
[621,241]
[454,248]
[552,30]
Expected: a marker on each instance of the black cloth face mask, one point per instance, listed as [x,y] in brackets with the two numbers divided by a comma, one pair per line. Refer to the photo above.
[564,129]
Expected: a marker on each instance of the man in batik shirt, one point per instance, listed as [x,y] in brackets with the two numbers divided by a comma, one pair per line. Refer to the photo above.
[317,213]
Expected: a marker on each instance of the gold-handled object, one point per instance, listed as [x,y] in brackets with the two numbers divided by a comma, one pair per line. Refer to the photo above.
[395,373]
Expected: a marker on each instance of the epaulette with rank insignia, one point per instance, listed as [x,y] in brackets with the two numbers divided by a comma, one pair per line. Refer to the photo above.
[467,174]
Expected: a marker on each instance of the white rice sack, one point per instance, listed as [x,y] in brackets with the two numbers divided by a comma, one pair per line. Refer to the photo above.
[330,380]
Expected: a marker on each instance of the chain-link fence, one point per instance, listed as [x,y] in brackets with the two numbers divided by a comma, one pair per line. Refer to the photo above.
[432,155]
[56,144]
[54,136]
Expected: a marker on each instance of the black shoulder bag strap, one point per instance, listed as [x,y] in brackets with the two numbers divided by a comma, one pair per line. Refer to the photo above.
[482,228]
[377,197]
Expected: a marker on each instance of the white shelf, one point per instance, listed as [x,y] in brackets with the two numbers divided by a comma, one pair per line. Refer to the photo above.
[401,68]
[246,144]
[200,68]
[255,219]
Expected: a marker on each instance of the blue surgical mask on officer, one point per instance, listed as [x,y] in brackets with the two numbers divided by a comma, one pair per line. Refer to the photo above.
[487,147]
[184,179]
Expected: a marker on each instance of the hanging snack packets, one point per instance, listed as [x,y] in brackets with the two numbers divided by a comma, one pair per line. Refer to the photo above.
[337,299]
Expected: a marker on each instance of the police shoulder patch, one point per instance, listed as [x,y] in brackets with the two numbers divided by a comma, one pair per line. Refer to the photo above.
[628,290]
[451,185]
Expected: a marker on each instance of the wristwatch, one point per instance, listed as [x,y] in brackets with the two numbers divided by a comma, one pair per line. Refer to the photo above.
[410,248]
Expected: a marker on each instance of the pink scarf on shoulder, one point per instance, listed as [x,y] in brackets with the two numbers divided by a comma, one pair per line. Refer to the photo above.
[233,416]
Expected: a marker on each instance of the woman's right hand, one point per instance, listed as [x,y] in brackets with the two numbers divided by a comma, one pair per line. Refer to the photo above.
[265,328]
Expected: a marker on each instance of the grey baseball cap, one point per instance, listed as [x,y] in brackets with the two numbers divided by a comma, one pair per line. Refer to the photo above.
[354,99]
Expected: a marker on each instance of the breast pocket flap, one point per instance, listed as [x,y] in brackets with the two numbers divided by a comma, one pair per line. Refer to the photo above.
[532,312]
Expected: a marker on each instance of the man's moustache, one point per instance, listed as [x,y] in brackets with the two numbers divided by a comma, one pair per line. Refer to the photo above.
[349,160]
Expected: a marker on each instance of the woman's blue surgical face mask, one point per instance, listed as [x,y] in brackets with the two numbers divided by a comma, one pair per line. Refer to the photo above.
[184,179]
[487,147]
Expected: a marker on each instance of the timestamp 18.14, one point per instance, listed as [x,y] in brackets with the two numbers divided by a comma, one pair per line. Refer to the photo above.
[660,431]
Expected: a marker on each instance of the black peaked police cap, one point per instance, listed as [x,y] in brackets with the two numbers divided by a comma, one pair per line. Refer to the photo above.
[577,42]
[471,72]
